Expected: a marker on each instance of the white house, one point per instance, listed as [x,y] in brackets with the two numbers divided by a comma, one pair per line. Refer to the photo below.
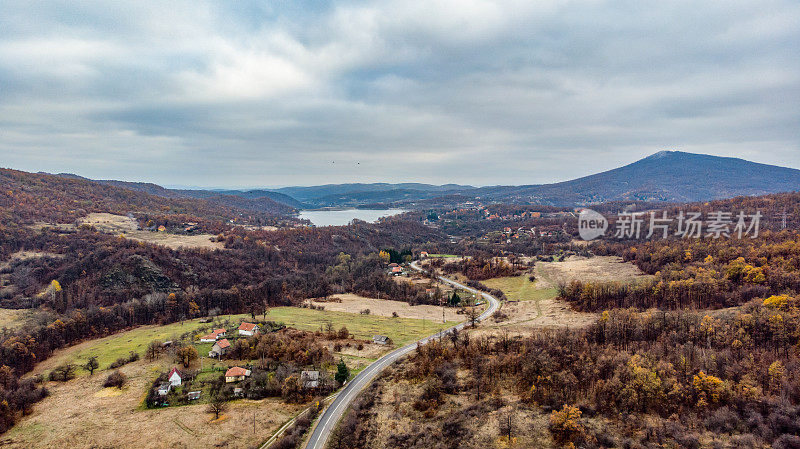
[175,377]
[248,329]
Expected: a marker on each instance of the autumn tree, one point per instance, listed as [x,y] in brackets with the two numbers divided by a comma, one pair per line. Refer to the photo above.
[186,355]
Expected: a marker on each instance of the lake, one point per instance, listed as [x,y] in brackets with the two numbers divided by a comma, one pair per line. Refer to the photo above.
[345,216]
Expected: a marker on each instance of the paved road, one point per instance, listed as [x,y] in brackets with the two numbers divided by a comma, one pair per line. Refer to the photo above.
[332,415]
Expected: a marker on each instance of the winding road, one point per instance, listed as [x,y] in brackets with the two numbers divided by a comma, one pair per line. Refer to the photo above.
[332,415]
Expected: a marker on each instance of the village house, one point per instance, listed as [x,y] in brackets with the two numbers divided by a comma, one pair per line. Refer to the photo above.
[175,377]
[248,329]
[423,254]
[380,339]
[309,379]
[220,333]
[236,374]
[210,338]
[164,388]
[220,348]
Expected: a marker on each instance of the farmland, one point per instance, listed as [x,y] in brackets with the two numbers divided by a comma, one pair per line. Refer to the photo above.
[82,414]
[109,349]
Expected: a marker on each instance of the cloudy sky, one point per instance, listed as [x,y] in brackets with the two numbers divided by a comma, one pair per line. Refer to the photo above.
[237,94]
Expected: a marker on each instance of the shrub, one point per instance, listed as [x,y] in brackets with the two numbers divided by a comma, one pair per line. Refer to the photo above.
[115,379]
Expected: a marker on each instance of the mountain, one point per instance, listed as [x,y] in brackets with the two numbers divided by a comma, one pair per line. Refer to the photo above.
[667,176]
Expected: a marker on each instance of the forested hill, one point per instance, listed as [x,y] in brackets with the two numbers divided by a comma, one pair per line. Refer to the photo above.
[28,197]
[255,200]
[671,176]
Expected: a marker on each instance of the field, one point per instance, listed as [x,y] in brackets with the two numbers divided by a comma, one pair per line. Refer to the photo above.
[83,414]
[109,349]
[11,318]
[120,224]
[535,303]
[400,330]
[382,307]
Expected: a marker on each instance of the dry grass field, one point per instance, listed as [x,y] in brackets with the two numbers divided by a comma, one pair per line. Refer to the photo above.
[11,318]
[383,307]
[83,414]
[534,303]
[126,226]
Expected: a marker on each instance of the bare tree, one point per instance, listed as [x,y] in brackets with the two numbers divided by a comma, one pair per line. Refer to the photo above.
[91,365]
[217,405]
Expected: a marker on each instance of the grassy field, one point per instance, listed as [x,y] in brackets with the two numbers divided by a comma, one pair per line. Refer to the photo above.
[109,349]
[400,330]
[520,288]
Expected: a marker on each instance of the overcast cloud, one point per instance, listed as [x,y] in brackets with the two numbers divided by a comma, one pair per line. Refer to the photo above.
[236,94]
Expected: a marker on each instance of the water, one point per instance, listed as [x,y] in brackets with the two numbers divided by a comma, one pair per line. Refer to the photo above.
[345,216]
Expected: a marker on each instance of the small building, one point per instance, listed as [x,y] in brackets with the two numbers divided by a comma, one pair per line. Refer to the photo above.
[238,392]
[175,377]
[220,348]
[309,379]
[248,329]
[164,388]
[423,254]
[236,374]
[193,395]
[220,332]
[381,339]
[210,338]
[396,271]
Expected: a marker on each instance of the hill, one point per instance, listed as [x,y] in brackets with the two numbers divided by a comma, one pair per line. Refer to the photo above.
[667,176]
[254,200]
[28,197]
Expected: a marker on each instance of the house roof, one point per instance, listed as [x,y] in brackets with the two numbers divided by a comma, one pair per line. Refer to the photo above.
[247,326]
[236,371]
[209,337]
[173,371]
[224,343]
[218,331]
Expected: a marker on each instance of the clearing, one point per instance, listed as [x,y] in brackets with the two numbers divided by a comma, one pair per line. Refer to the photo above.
[351,303]
[534,304]
[129,228]
[82,414]
[400,330]
[12,318]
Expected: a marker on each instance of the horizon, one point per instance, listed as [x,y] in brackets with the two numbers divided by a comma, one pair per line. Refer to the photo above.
[275,188]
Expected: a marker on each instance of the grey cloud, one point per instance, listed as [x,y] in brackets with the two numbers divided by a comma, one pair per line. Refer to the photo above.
[244,94]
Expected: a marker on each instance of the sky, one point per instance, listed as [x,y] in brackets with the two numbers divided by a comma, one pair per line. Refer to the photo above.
[260,94]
